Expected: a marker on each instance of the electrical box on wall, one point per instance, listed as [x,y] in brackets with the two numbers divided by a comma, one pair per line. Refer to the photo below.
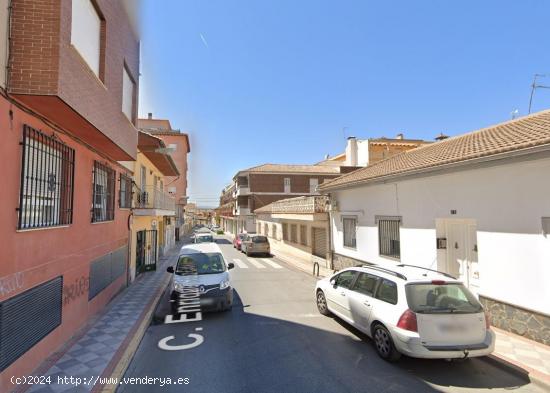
[441,243]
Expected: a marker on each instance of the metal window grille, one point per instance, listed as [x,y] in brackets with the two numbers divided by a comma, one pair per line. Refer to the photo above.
[266,229]
[125,193]
[47,181]
[350,225]
[294,233]
[103,198]
[388,238]
[303,235]
[285,232]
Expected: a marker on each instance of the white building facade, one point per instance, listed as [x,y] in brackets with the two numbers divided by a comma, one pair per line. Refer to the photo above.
[483,220]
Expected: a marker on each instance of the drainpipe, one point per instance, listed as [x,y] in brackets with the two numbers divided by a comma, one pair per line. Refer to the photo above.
[330,243]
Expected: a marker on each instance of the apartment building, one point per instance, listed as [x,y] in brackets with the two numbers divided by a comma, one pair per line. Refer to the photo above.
[178,147]
[68,106]
[261,185]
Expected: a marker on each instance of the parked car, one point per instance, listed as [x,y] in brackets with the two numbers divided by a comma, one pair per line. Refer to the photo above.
[408,310]
[255,244]
[237,240]
[202,238]
[202,266]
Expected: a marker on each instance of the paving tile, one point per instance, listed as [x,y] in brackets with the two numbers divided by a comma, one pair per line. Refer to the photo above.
[67,364]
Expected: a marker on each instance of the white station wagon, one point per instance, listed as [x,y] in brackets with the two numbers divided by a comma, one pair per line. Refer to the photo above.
[408,310]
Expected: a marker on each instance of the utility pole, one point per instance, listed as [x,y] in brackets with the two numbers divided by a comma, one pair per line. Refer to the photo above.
[535,86]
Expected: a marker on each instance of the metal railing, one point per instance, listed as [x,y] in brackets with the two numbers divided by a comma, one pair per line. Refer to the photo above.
[149,197]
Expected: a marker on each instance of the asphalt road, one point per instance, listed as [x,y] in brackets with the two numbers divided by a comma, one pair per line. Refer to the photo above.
[274,340]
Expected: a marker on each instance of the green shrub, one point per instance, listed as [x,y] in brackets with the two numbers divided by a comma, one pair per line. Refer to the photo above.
[219,232]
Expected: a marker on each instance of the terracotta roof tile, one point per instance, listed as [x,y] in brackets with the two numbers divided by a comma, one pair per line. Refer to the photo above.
[518,134]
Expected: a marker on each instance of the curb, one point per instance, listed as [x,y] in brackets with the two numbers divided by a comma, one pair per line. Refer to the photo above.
[521,370]
[121,360]
[302,267]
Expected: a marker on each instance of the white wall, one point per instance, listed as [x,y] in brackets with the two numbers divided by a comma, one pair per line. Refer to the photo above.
[3,41]
[507,203]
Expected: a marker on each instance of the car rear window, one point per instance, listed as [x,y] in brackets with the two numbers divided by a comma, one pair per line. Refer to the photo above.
[429,298]
[204,239]
[259,239]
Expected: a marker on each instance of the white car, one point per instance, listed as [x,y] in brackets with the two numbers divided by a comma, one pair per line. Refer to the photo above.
[408,310]
[201,270]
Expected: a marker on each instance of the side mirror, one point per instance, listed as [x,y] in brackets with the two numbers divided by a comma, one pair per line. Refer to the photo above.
[230,265]
[170,269]
[333,282]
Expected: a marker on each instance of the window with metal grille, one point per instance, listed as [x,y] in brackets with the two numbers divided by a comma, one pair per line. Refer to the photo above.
[294,233]
[303,235]
[125,193]
[388,237]
[350,229]
[266,229]
[47,181]
[274,231]
[103,198]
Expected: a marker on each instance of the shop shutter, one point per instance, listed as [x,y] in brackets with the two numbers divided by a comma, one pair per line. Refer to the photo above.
[320,242]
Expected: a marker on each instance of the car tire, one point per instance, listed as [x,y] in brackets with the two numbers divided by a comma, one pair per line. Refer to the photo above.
[322,303]
[383,343]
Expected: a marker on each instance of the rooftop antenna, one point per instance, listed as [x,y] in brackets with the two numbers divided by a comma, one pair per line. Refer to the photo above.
[534,86]
[514,113]
[344,131]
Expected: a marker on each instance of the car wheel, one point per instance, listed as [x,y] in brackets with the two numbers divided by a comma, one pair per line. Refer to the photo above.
[322,303]
[384,344]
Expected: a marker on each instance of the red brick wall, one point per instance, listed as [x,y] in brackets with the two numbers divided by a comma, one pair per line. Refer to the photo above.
[43,62]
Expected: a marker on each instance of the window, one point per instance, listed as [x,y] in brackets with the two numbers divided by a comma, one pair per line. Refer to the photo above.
[266,229]
[173,147]
[388,237]
[387,291]
[125,193]
[349,232]
[86,32]
[287,184]
[103,198]
[47,176]
[273,231]
[313,183]
[285,231]
[294,233]
[366,284]
[303,235]
[345,279]
[128,87]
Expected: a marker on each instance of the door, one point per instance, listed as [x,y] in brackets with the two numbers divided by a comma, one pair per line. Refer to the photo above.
[360,300]
[313,183]
[146,251]
[319,244]
[337,295]
[462,261]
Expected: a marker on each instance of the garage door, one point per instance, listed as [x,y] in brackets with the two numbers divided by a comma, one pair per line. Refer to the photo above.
[320,242]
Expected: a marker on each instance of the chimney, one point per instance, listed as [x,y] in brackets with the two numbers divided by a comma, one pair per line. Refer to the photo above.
[351,152]
[399,136]
[149,115]
[441,136]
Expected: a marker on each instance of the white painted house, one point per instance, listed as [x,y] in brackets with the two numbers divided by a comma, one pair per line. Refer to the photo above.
[476,206]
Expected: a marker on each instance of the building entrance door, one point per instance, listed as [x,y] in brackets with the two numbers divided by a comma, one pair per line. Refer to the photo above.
[462,261]
[146,251]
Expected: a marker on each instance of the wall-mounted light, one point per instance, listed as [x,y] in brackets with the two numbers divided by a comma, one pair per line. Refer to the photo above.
[453,211]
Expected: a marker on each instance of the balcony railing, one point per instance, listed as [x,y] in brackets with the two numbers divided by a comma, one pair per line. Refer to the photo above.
[149,197]
[314,204]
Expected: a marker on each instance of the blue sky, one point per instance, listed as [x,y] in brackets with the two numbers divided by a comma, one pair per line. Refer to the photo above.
[277,81]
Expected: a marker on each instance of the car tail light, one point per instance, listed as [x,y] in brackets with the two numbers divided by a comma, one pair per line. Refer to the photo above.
[438,282]
[407,321]
[487,320]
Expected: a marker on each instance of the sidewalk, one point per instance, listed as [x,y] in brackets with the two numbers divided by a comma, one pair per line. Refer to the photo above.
[109,339]
[524,355]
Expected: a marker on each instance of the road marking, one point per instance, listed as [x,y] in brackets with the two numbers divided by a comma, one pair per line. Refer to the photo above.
[256,263]
[272,264]
[240,263]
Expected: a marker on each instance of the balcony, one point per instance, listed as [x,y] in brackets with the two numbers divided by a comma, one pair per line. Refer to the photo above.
[301,205]
[241,191]
[242,211]
[151,201]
